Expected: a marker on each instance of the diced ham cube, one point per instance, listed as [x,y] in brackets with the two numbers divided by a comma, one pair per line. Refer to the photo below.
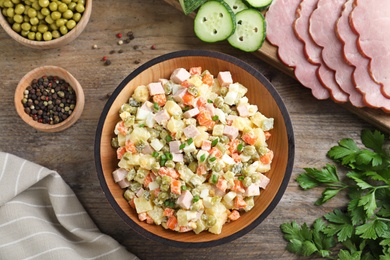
[252,190]
[225,78]
[191,131]
[147,149]
[178,95]
[191,113]
[119,174]
[140,192]
[185,199]
[177,157]
[156,88]
[264,180]
[179,75]
[210,107]
[243,110]
[162,117]
[174,147]
[206,145]
[124,183]
[231,132]
[148,106]
[230,119]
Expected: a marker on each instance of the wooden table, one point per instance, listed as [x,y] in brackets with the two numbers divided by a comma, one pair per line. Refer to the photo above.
[318,125]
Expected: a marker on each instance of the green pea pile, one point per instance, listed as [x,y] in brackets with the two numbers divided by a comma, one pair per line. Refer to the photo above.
[39,20]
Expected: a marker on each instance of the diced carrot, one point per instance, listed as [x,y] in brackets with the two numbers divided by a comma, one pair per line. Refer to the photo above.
[233,145]
[216,152]
[168,172]
[249,138]
[172,222]
[195,70]
[160,99]
[267,135]
[149,220]
[236,157]
[130,147]
[206,145]
[185,229]
[201,169]
[239,202]
[176,187]
[168,212]
[121,128]
[188,99]
[147,180]
[234,215]
[201,103]
[131,203]
[142,216]
[221,184]
[204,119]
[120,152]
[267,158]
[238,186]
[208,79]
[156,192]
[185,84]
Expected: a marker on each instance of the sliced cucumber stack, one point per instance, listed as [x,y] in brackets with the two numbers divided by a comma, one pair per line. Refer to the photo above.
[236,5]
[259,4]
[214,21]
[250,31]
[190,6]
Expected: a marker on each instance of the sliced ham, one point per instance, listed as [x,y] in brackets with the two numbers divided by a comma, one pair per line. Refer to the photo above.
[179,75]
[371,20]
[322,26]
[185,199]
[156,88]
[191,131]
[279,18]
[312,51]
[191,113]
[364,83]
[225,78]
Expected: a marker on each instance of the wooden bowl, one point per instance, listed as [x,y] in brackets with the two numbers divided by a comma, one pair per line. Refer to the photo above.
[55,43]
[260,92]
[49,71]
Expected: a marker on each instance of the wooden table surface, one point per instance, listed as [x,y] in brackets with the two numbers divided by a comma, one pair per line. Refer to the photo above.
[318,125]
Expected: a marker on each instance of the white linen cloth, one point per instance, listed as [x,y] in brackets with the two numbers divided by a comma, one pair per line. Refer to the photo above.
[41,217]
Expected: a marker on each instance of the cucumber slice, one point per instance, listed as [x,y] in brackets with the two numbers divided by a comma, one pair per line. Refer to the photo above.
[189,6]
[250,31]
[259,4]
[214,21]
[236,5]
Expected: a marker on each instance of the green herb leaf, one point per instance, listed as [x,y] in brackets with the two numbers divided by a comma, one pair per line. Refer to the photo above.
[340,225]
[371,230]
[368,202]
[373,140]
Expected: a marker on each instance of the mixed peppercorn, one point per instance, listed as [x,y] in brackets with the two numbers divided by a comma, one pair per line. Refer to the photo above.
[49,100]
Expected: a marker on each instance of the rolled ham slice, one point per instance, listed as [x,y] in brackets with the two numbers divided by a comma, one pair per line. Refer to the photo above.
[279,18]
[371,91]
[313,51]
[322,26]
[371,20]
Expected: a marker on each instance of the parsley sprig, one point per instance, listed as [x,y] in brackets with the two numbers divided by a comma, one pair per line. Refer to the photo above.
[362,229]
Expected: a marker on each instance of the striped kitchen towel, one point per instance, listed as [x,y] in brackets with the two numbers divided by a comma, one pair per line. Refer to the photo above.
[41,218]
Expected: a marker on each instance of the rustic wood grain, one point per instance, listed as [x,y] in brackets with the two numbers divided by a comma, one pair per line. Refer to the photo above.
[318,125]
[269,54]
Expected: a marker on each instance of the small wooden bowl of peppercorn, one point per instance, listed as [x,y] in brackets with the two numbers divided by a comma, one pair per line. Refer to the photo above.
[45,24]
[49,99]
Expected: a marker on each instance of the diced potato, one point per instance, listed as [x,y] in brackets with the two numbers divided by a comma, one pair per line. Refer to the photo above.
[182,217]
[139,134]
[250,203]
[142,205]
[141,93]
[185,174]
[141,175]
[198,140]
[121,139]
[173,108]
[146,161]
[200,226]
[197,180]
[260,141]
[218,130]
[175,125]
[242,123]
[156,214]
[124,115]
[262,121]
[195,80]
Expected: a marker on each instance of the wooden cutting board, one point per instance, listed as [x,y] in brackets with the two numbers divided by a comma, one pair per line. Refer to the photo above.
[268,53]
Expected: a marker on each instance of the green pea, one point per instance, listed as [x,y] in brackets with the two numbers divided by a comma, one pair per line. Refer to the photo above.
[31,36]
[53,27]
[56,15]
[62,7]
[76,17]
[16,27]
[34,28]
[24,33]
[72,6]
[49,20]
[80,8]
[40,16]
[34,21]
[60,22]
[15,1]
[45,11]
[67,1]
[53,6]
[38,36]
[4,12]
[26,18]
[81,2]
[43,28]
[47,36]
[70,24]
[44,3]
[19,9]
[68,14]
[18,18]
[36,6]
[63,30]
[8,3]
[26,26]
[10,12]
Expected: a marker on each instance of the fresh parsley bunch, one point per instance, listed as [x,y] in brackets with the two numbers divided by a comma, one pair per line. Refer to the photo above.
[362,229]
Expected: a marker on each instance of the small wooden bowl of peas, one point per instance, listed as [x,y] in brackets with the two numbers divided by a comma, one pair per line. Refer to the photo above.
[44,24]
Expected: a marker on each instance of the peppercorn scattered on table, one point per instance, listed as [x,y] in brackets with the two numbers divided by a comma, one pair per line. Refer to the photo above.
[120,36]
